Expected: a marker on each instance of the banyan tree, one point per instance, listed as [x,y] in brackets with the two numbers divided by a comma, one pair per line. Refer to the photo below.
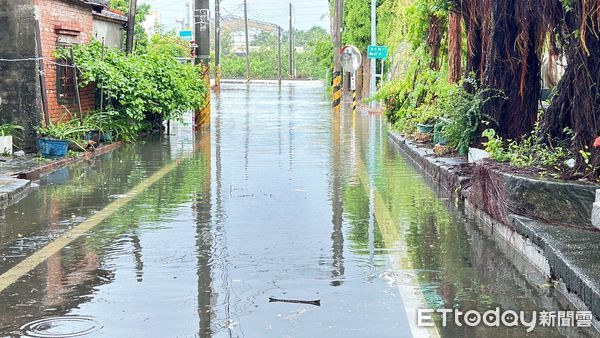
[505,40]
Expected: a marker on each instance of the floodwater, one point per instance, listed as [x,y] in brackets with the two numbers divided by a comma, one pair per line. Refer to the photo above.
[280,199]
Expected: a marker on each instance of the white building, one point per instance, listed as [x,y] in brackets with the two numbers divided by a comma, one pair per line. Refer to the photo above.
[152,23]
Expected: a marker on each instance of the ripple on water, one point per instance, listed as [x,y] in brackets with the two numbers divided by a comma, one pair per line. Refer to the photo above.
[322,268]
[59,327]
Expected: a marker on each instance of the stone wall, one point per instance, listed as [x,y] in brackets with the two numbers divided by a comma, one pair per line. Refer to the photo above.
[20,94]
[501,195]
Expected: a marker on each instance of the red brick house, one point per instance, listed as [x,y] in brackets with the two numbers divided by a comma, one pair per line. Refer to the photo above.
[30,30]
[64,23]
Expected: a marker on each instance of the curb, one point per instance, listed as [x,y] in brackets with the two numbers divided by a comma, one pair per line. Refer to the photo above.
[13,190]
[15,187]
[537,236]
[446,172]
[35,173]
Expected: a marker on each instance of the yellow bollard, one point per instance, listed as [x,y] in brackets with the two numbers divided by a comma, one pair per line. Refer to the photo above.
[337,91]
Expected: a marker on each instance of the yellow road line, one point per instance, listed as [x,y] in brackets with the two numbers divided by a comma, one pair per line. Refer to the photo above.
[40,256]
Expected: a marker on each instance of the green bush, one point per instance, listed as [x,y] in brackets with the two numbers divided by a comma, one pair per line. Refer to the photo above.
[463,107]
[530,151]
[416,97]
[141,87]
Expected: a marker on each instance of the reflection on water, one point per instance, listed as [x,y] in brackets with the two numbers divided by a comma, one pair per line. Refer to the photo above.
[280,199]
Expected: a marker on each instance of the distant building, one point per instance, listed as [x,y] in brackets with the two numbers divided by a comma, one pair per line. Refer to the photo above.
[27,94]
[152,24]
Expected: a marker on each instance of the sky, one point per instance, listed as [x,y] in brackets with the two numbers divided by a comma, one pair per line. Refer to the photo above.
[307,13]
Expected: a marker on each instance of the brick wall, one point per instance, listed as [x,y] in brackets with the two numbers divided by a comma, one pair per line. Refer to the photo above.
[64,22]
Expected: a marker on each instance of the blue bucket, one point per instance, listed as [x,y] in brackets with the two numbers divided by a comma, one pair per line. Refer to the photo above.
[53,148]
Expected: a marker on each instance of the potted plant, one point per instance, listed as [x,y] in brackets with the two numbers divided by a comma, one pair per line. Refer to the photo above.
[427,115]
[101,126]
[438,131]
[6,137]
[55,138]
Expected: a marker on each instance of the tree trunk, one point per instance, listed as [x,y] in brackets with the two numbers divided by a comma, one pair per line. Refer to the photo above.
[512,71]
[434,40]
[577,102]
[454,47]
[474,41]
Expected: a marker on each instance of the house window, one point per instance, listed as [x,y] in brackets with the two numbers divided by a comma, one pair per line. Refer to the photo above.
[65,86]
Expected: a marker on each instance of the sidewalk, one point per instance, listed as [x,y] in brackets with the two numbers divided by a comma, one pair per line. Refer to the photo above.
[568,256]
[17,173]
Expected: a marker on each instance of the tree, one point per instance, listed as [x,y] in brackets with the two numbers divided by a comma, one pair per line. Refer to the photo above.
[576,105]
[504,37]
[140,35]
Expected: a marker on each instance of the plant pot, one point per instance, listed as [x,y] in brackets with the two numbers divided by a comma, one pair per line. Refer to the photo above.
[425,128]
[6,145]
[476,154]
[93,135]
[107,136]
[52,147]
[438,138]
[99,136]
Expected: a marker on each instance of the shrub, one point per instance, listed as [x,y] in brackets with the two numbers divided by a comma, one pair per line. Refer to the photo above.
[140,87]
[463,107]
[415,99]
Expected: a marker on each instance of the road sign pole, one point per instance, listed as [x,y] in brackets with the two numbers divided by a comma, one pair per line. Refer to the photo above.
[373,42]
[353,88]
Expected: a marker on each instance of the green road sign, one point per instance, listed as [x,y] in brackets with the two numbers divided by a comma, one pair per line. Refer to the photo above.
[377,52]
[186,35]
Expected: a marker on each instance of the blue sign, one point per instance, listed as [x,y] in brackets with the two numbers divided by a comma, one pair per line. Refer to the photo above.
[186,35]
[377,52]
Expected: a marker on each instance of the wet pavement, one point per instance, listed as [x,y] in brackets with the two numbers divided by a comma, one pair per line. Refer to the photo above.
[281,199]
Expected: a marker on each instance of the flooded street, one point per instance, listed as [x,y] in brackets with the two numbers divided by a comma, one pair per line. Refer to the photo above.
[190,235]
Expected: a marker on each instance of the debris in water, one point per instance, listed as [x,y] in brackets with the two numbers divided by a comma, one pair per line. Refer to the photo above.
[308,302]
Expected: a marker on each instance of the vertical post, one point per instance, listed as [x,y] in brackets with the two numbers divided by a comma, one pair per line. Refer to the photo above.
[42,72]
[338,15]
[130,26]
[202,32]
[186,18]
[279,52]
[247,41]
[291,37]
[76,84]
[382,69]
[353,89]
[374,43]
[101,89]
[217,45]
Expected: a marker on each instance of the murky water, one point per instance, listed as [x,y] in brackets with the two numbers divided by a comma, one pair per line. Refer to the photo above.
[281,199]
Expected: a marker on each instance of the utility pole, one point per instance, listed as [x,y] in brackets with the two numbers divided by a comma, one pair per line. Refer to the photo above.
[202,33]
[373,43]
[338,16]
[217,45]
[291,37]
[279,52]
[247,42]
[186,20]
[130,26]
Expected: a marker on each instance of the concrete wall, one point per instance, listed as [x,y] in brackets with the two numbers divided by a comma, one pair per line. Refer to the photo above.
[111,31]
[20,92]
